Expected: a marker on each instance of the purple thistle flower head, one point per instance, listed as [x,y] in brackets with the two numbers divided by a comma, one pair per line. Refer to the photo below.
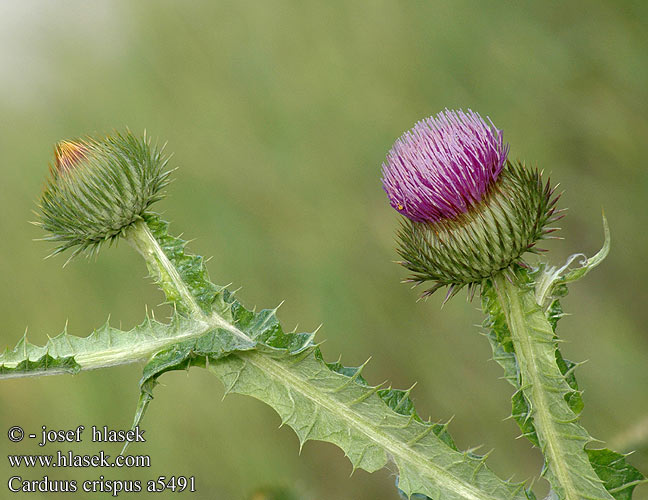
[443,166]
[470,213]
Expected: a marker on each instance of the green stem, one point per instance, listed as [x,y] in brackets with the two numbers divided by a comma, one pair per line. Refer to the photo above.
[346,406]
[250,354]
[140,237]
[561,437]
[169,279]
[107,346]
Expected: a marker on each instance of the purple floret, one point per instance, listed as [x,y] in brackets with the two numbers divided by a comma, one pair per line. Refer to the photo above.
[443,166]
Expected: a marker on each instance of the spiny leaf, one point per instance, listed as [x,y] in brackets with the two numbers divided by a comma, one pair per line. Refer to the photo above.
[549,284]
[319,400]
[41,366]
[396,399]
[106,346]
[503,352]
[620,478]
[546,391]
[322,404]
[217,343]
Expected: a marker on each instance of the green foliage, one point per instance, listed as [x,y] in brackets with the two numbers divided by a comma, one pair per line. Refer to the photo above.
[619,477]
[45,365]
[374,425]
[106,346]
[546,392]
[322,404]
[553,391]
[319,400]
[251,354]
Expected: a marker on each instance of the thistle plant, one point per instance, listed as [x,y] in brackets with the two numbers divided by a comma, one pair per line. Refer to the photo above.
[469,216]
[469,212]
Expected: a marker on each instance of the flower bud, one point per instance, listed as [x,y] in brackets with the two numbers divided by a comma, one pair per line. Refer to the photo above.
[98,188]
[469,211]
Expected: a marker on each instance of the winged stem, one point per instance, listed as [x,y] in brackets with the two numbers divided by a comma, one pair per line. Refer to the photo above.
[561,437]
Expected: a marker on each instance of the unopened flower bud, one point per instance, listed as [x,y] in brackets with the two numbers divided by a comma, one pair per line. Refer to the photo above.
[469,211]
[67,154]
[98,188]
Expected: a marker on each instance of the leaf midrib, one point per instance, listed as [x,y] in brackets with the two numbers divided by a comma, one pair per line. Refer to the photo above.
[276,370]
[511,305]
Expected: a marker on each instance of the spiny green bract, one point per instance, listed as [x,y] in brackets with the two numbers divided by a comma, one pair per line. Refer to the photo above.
[488,237]
[98,188]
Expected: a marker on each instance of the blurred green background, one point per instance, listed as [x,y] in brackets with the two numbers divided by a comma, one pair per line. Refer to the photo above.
[280,115]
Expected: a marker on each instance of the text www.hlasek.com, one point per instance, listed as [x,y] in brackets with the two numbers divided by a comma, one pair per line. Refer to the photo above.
[46,485]
[70,459]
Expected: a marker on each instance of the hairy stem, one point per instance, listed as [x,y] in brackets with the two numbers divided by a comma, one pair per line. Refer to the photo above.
[141,238]
[169,279]
[561,437]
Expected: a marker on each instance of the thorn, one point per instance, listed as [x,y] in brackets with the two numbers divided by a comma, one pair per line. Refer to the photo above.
[474,449]
[449,294]
[410,388]
[361,368]
[405,396]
